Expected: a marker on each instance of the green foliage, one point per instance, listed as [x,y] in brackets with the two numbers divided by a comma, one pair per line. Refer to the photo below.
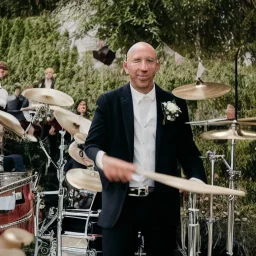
[191,27]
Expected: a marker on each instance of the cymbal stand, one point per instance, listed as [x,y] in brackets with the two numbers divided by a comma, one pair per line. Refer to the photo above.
[212,156]
[193,227]
[231,202]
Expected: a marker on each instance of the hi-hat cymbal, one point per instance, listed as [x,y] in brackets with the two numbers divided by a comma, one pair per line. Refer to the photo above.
[80,137]
[229,134]
[190,186]
[49,96]
[250,121]
[79,155]
[71,122]
[15,238]
[201,91]
[84,179]
[11,123]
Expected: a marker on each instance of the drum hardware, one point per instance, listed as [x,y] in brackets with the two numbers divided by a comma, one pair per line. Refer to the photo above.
[201,90]
[140,251]
[193,227]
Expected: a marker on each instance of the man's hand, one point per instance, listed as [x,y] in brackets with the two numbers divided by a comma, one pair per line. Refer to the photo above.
[117,170]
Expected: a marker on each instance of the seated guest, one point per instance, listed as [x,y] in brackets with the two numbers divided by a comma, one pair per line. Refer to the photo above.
[82,108]
[16,102]
[48,81]
[3,92]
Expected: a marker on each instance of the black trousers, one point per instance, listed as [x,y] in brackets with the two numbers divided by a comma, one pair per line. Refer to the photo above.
[138,214]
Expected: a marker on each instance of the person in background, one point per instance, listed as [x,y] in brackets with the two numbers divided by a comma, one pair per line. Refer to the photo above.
[48,80]
[16,102]
[3,92]
[81,108]
[139,126]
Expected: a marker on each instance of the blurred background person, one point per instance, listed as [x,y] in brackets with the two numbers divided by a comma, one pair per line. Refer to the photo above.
[48,81]
[15,102]
[3,92]
[81,108]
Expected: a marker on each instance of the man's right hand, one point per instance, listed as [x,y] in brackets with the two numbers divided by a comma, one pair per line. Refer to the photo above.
[117,170]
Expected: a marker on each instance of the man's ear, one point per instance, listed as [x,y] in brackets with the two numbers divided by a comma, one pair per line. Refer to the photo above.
[125,67]
[158,65]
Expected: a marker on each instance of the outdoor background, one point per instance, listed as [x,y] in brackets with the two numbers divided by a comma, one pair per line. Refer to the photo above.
[36,34]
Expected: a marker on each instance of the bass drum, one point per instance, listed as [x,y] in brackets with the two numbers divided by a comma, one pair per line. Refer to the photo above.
[16,201]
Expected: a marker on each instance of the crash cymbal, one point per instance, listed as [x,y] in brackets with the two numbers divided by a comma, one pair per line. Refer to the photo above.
[30,137]
[15,238]
[230,134]
[11,252]
[190,186]
[80,137]
[84,179]
[79,155]
[49,96]
[11,123]
[201,90]
[71,122]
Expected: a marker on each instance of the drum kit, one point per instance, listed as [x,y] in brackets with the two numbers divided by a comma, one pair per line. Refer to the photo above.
[86,183]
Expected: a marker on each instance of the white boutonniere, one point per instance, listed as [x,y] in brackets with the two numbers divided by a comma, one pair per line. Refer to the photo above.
[170,110]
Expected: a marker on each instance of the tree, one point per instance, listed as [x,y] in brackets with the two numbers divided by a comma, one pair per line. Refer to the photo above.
[197,27]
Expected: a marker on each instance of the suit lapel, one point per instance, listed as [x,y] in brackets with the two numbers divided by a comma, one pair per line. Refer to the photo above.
[159,125]
[128,118]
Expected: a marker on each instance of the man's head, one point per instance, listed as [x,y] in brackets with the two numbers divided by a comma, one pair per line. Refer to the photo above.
[141,65]
[17,90]
[49,73]
[3,69]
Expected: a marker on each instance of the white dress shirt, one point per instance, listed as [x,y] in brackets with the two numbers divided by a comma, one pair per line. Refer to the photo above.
[3,96]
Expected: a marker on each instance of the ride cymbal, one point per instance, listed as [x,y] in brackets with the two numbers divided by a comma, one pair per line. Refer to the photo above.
[229,134]
[49,96]
[71,122]
[11,123]
[201,90]
[79,155]
[11,252]
[190,186]
[84,179]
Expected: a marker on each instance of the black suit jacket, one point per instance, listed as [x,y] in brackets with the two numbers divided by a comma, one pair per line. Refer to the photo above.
[112,130]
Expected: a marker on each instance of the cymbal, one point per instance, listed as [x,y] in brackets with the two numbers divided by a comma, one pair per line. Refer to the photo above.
[32,107]
[79,155]
[11,123]
[80,137]
[49,96]
[71,122]
[30,137]
[224,121]
[84,179]
[201,91]
[11,252]
[229,134]
[15,238]
[190,186]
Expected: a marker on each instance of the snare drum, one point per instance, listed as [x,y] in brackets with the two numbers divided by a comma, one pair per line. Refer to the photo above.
[16,201]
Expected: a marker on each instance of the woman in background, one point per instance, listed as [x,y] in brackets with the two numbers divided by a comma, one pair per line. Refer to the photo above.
[82,108]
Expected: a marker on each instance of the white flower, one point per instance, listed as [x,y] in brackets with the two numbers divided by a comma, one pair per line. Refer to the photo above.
[170,110]
[172,107]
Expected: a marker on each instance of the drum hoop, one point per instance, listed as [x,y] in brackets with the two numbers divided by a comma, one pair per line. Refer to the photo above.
[17,222]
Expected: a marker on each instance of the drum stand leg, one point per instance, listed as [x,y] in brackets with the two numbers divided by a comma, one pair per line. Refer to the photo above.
[193,227]
[212,156]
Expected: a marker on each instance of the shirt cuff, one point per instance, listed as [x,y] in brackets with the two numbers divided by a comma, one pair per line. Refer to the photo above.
[98,160]
[197,180]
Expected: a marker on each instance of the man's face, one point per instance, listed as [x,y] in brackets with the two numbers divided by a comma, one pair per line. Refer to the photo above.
[49,74]
[81,107]
[142,65]
[17,92]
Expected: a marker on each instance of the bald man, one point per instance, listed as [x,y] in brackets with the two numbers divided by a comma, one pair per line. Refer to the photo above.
[130,131]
